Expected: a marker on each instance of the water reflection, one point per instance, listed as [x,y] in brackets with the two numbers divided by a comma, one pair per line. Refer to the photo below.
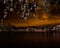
[38,37]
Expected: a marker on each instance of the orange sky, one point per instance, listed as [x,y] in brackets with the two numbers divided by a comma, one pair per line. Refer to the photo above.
[44,20]
[39,19]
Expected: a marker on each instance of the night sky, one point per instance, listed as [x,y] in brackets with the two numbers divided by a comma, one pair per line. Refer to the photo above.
[14,17]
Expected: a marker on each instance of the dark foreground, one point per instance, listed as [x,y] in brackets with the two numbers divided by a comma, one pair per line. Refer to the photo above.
[30,40]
